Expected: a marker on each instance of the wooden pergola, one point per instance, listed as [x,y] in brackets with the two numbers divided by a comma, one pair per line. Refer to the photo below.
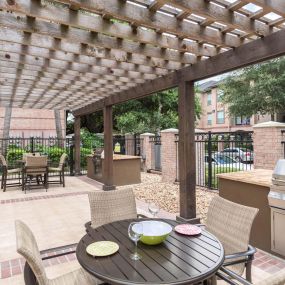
[87,55]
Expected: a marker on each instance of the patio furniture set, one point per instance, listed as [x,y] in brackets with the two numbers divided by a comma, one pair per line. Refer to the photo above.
[220,251]
[33,171]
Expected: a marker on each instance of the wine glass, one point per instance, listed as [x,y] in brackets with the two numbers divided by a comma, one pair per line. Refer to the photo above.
[153,209]
[135,232]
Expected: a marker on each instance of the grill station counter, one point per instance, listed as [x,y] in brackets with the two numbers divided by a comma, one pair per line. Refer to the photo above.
[126,168]
[276,199]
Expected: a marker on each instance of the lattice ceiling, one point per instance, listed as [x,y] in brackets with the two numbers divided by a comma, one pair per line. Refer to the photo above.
[66,54]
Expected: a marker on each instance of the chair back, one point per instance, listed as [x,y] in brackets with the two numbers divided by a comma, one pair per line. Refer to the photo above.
[36,164]
[28,248]
[62,160]
[231,223]
[111,206]
[3,161]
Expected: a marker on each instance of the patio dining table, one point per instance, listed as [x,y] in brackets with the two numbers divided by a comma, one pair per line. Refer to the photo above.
[178,260]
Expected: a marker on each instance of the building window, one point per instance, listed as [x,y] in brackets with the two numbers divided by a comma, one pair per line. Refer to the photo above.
[241,120]
[209,99]
[220,117]
[209,119]
[220,94]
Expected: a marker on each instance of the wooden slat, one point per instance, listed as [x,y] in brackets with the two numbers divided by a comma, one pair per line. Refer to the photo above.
[124,10]
[250,53]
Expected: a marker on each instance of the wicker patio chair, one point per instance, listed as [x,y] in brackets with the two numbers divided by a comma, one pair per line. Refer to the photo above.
[59,169]
[28,248]
[36,167]
[6,172]
[110,206]
[231,223]
[234,279]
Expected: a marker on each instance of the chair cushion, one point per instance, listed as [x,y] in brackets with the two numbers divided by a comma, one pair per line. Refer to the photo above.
[76,277]
[15,170]
[56,169]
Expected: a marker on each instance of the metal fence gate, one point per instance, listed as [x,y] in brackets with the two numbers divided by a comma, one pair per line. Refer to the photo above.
[156,145]
[220,152]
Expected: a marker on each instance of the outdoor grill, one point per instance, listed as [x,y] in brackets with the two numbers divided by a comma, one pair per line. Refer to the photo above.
[276,199]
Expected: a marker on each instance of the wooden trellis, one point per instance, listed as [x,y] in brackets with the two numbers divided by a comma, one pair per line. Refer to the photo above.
[67,54]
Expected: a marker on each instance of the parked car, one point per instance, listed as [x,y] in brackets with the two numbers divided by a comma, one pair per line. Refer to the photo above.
[239,154]
[226,162]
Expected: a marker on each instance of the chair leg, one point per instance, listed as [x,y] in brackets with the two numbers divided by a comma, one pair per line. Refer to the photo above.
[248,271]
[5,182]
[63,179]
[2,181]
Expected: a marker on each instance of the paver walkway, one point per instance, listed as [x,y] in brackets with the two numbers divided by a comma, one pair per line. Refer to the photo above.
[57,218]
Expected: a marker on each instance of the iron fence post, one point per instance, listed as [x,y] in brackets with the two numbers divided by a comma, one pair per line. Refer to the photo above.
[210,159]
[32,144]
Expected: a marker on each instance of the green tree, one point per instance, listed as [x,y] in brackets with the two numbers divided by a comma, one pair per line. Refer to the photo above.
[149,114]
[256,89]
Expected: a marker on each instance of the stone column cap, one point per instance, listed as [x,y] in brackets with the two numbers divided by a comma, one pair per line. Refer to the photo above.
[270,124]
[147,134]
[171,130]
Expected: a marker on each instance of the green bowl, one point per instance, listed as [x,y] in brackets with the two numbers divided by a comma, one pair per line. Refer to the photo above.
[155,232]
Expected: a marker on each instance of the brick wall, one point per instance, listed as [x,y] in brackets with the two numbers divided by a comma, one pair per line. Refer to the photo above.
[267,145]
[32,122]
[168,155]
[147,151]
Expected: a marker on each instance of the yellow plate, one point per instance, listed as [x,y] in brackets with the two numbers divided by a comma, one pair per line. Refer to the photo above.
[102,248]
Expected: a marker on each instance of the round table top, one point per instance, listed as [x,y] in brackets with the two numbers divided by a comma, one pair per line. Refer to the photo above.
[178,260]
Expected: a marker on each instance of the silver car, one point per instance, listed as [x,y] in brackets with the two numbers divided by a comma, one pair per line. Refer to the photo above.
[239,154]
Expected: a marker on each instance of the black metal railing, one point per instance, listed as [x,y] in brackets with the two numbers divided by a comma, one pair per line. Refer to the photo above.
[14,148]
[219,152]
[156,148]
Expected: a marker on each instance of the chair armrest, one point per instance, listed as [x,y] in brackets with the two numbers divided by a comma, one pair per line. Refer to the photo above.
[229,275]
[249,253]
[48,251]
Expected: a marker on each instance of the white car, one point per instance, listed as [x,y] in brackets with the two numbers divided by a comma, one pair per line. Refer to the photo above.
[226,162]
[239,154]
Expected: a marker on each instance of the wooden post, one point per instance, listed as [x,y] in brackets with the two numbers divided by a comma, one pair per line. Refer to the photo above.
[108,149]
[186,151]
[77,145]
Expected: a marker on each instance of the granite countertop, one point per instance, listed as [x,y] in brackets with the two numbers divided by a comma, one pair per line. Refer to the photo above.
[121,157]
[261,177]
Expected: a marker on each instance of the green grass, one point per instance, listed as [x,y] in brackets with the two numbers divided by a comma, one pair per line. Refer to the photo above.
[218,170]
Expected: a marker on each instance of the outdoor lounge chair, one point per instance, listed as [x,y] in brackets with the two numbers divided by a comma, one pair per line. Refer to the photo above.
[231,223]
[6,172]
[28,248]
[110,206]
[59,169]
[230,277]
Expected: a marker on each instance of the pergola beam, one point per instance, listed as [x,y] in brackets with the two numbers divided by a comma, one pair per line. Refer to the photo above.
[250,53]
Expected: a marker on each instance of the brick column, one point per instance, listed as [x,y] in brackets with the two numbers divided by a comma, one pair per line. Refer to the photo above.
[267,138]
[168,155]
[147,151]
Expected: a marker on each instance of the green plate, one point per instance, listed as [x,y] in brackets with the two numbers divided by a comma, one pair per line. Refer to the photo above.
[102,248]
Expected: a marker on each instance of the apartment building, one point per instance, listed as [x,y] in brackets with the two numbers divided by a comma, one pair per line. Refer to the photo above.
[18,122]
[215,115]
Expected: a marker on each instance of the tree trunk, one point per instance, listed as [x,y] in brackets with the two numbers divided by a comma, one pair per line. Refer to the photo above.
[272,117]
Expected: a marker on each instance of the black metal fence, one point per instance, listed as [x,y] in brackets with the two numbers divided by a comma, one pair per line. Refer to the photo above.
[14,148]
[220,152]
